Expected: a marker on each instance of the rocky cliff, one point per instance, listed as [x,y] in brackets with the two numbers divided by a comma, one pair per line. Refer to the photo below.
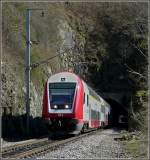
[50,35]
[105,43]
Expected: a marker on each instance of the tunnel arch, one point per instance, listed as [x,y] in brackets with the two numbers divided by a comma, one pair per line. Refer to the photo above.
[117,110]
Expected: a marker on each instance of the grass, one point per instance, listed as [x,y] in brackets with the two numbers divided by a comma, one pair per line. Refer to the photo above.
[132,146]
[136,147]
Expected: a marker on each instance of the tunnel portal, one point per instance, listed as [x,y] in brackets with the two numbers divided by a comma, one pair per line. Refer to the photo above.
[118,114]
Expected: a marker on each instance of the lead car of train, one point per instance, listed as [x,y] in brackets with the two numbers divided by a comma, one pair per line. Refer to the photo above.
[70,104]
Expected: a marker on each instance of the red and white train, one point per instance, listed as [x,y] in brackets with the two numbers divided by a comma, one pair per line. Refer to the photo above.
[69,103]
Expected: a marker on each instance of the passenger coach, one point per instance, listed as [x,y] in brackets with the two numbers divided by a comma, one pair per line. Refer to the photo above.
[71,105]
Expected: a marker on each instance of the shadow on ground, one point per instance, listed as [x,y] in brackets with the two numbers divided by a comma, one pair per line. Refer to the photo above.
[14,128]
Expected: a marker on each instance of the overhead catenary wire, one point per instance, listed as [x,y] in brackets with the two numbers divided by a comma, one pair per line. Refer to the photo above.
[34,65]
[46,61]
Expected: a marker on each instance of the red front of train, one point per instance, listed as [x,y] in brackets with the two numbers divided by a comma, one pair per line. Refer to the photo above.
[63,102]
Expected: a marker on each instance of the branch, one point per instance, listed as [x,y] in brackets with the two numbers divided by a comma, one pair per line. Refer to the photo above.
[134,72]
[139,50]
[137,74]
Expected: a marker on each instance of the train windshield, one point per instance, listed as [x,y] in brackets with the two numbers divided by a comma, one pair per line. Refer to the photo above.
[61,93]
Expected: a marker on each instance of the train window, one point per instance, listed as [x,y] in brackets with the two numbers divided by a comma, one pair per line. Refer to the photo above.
[62,85]
[87,100]
[103,108]
[61,93]
[94,94]
[94,114]
[84,98]
[106,117]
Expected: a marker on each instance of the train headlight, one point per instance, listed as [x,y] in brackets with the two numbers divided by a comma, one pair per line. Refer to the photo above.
[55,106]
[66,106]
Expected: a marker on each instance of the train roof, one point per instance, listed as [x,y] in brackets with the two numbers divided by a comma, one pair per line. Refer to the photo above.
[75,78]
[64,77]
[97,95]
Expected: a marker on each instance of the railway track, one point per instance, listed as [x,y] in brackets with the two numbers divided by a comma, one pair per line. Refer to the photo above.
[9,151]
[39,147]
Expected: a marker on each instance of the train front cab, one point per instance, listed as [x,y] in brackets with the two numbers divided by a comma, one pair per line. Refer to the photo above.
[64,100]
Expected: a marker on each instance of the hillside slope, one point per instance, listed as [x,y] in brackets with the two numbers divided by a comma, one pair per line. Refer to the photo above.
[105,43]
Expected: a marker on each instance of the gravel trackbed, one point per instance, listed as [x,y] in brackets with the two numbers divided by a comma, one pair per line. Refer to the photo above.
[98,146]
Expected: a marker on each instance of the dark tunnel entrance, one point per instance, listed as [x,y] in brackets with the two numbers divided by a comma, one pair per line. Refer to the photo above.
[118,115]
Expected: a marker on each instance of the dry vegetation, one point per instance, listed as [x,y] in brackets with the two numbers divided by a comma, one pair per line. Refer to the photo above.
[110,37]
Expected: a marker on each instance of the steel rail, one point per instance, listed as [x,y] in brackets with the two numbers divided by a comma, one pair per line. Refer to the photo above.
[16,147]
[39,150]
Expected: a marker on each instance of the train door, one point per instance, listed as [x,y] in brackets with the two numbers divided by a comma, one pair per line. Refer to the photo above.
[99,115]
[92,112]
[86,105]
[102,114]
[90,124]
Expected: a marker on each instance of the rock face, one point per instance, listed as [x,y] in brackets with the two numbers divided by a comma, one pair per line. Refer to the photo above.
[95,41]
[104,43]
[49,36]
